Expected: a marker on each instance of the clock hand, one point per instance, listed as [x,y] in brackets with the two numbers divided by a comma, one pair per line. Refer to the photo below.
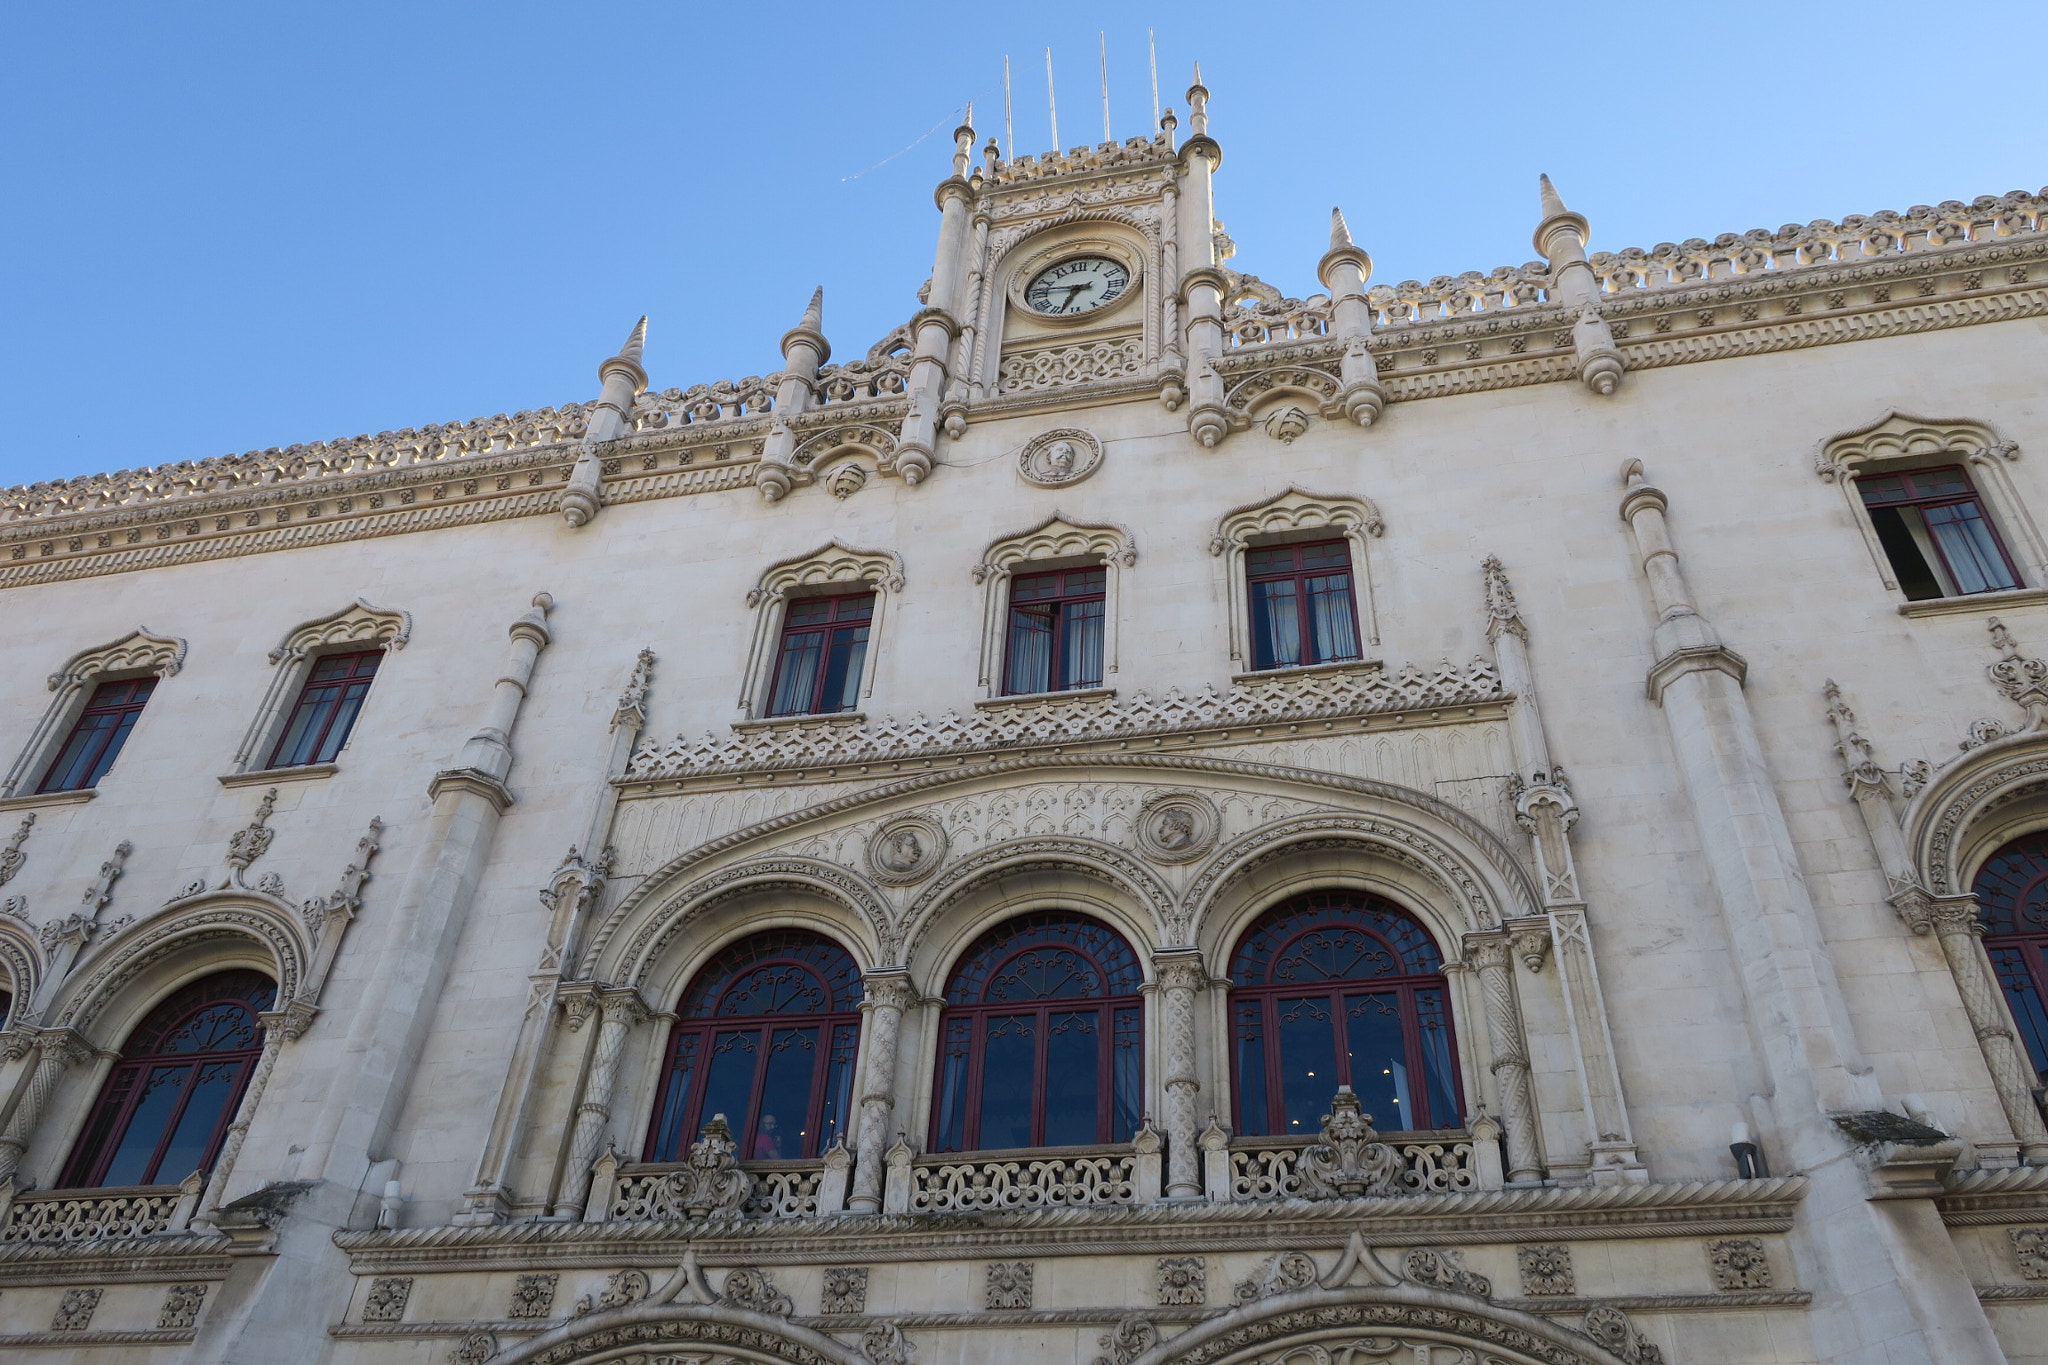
[1072,290]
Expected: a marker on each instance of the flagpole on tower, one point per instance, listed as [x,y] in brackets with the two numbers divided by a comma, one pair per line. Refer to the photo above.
[1010,129]
[1052,101]
[1102,44]
[1152,49]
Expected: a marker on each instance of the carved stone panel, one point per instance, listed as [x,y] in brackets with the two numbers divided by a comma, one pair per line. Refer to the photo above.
[1177,827]
[75,1310]
[533,1296]
[1739,1263]
[1009,1284]
[2030,1249]
[846,1290]
[906,851]
[387,1300]
[1183,1281]
[1546,1270]
[182,1303]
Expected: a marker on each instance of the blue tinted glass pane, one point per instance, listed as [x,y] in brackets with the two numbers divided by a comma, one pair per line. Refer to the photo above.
[75,764]
[153,1113]
[1009,1062]
[952,1125]
[1379,1060]
[1045,973]
[343,721]
[1276,625]
[729,1081]
[1439,1080]
[1308,1062]
[842,669]
[669,1143]
[836,1117]
[1125,1100]
[1081,645]
[1329,612]
[1253,1120]
[2016,975]
[1073,1070]
[781,1130]
[205,1114]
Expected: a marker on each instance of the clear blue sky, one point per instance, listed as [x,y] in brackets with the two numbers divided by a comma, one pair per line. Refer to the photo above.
[240,225]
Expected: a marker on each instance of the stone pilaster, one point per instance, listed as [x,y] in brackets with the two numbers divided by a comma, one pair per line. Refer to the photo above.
[57,1051]
[618,1010]
[1489,956]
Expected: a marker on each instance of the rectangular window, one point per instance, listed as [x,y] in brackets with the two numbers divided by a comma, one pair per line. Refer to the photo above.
[824,646]
[326,709]
[1055,638]
[95,740]
[1302,608]
[1934,530]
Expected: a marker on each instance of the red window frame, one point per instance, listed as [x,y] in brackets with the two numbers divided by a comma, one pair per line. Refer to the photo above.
[964,1030]
[2012,911]
[1915,493]
[1290,563]
[813,967]
[1055,596]
[97,737]
[148,1056]
[1267,985]
[846,616]
[319,723]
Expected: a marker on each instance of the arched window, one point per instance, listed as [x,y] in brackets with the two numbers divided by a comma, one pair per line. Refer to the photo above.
[1040,1039]
[1340,988]
[166,1108]
[767,1038]
[2012,905]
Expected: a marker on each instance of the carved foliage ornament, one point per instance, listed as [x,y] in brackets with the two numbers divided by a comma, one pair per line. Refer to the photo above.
[1009,1284]
[1349,1160]
[846,1290]
[1060,457]
[1182,1281]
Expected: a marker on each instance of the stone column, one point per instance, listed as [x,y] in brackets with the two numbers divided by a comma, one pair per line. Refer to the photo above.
[1489,956]
[804,349]
[1954,923]
[611,417]
[1180,975]
[278,1029]
[1561,237]
[57,1050]
[617,1011]
[888,996]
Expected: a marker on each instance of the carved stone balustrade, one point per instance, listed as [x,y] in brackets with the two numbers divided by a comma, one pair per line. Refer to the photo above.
[112,1213]
[652,1192]
[1438,1162]
[1067,1177]
[753,396]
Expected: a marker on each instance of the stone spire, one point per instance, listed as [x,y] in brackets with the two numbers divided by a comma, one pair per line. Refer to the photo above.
[610,418]
[809,332]
[1561,237]
[1344,270]
[636,342]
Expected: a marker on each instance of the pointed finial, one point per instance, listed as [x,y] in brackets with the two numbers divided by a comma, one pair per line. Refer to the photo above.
[1553,203]
[809,332]
[636,343]
[1340,231]
[814,314]
[1198,74]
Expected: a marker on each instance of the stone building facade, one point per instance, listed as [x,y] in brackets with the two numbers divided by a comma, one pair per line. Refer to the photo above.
[1501,819]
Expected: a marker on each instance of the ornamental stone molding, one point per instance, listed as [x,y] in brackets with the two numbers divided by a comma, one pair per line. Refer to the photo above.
[139,652]
[1252,702]
[1413,1321]
[1060,457]
[357,624]
[659,1325]
[219,924]
[1128,876]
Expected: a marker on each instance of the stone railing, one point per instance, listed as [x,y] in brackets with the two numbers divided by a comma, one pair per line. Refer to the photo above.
[1449,297]
[1288,320]
[753,396]
[655,1192]
[266,469]
[834,743]
[1858,237]
[1051,1178]
[860,380]
[1132,151]
[65,1216]
[1270,1168]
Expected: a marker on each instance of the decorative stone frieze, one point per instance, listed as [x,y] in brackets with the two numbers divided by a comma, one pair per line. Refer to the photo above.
[533,1296]
[621,1287]
[1009,1285]
[755,1292]
[1282,1274]
[1241,709]
[475,1348]
[1444,1268]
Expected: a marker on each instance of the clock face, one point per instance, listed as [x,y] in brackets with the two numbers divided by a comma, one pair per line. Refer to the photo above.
[1079,285]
